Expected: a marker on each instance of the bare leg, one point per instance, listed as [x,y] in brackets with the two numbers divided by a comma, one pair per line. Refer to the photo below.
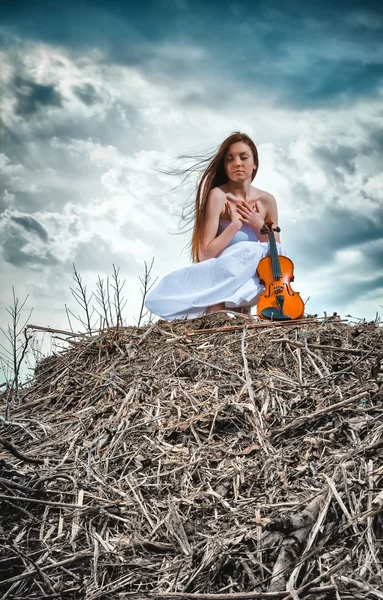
[215,308]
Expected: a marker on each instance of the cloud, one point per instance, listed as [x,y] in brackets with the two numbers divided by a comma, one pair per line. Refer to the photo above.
[14,175]
[24,241]
[32,96]
[316,241]
[337,158]
[374,255]
[333,82]
[87,93]
[299,57]
[31,224]
[88,119]
[97,255]
[338,260]
[375,131]
[45,238]
[6,199]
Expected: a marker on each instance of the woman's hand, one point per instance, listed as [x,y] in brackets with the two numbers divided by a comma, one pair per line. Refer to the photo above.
[250,215]
[234,215]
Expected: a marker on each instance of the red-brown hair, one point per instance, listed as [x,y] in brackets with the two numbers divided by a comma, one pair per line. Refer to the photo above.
[213,176]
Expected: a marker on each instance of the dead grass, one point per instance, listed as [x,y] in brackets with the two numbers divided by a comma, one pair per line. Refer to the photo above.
[227,461]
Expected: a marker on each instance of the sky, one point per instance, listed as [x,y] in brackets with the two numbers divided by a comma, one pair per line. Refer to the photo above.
[97,99]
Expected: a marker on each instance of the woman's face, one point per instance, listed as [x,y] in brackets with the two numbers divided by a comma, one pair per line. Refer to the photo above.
[239,162]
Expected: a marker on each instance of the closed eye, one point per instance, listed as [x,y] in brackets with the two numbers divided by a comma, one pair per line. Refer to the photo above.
[242,157]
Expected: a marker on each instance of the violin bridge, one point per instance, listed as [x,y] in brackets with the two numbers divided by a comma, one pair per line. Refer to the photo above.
[278,289]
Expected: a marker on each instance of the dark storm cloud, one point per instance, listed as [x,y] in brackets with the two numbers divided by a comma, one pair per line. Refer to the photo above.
[374,256]
[13,253]
[340,297]
[31,224]
[350,292]
[32,96]
[17,239]
[375,142]
[337,162]
[87,94]
[18,245]
[362,287]
[297,53]
[329,82]
[33,147]
[100,127]
[339,157]
[316,242]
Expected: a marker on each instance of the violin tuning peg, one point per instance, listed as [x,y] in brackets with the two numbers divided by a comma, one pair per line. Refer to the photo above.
[277,229]
[264,230]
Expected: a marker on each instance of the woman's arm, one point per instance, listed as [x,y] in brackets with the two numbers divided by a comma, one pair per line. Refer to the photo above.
[210,245]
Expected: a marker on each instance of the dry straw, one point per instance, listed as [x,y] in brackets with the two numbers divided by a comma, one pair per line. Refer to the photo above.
[224,461]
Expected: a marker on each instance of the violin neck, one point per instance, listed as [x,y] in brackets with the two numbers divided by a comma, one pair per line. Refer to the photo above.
[275,264]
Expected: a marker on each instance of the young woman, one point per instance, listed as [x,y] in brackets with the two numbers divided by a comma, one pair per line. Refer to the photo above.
[227,244]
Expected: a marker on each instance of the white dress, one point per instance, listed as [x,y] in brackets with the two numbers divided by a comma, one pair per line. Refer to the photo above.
[230,278]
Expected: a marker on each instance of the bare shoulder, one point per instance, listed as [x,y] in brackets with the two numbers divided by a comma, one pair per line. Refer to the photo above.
[216,197]
[215,201]
[264,196]
[270,199]
[217,192]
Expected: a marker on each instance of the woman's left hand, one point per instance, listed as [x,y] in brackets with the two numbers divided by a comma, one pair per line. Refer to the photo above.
[250,215]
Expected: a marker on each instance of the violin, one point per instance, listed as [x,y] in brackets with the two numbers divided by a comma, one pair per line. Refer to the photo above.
[278,302]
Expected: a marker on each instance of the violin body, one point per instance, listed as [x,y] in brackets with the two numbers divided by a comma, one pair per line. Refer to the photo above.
[278,302]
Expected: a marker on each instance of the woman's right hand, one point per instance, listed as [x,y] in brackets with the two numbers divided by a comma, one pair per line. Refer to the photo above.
[234,215]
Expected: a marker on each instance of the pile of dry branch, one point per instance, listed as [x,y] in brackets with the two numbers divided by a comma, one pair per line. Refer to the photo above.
[230,460]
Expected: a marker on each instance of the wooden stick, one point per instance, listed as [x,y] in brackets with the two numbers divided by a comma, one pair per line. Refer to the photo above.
[52,330]
[45,502]
[233,596]
[362,586]
[67,561]
[318,413]
[203,362]
[11,448]
[331,348]
[272,324]
[307,587]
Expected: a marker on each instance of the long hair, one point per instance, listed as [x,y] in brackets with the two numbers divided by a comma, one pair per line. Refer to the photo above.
[213,176]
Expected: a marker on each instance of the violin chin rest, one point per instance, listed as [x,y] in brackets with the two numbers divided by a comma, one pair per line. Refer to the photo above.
[274,314]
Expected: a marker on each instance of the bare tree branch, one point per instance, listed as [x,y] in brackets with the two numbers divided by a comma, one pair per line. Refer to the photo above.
[80,295]
[146,286]
[102,297]
[11,364]
[119,301]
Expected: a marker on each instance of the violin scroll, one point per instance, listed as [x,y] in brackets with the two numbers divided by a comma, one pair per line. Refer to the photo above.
[268,227]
